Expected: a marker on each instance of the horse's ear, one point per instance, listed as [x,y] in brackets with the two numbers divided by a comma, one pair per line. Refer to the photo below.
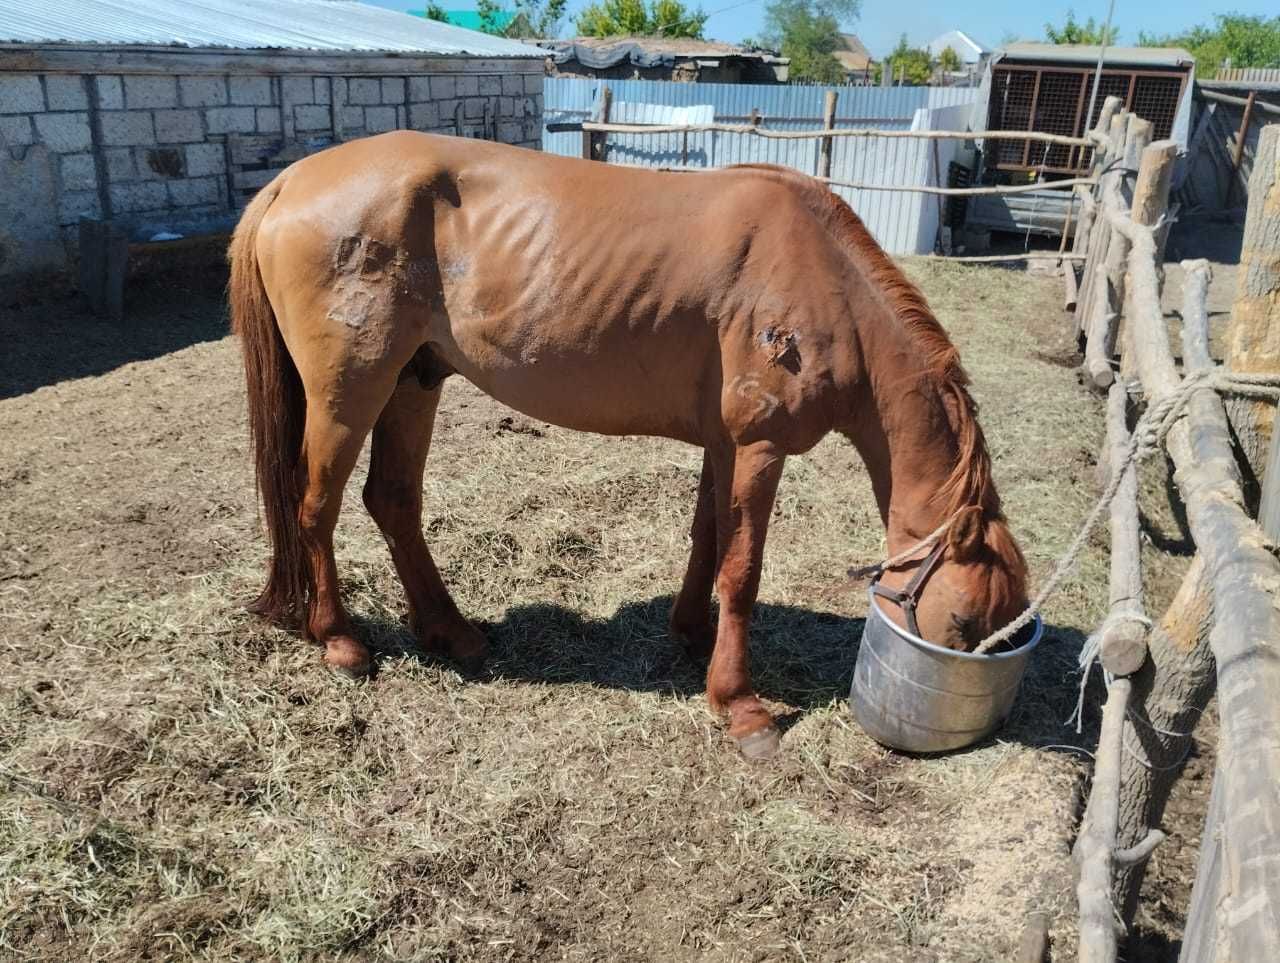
[967,533]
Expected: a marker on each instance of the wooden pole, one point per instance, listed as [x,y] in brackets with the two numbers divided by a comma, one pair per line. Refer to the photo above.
[828,123]
[1083,241]
[1111,150]
[1101,347]
[1124,634]
[1242,135]
[1132,134]
[1150,204]
[1071,286]
[1095,847]
[1252,342]
[1200,936]
[1269,508]
[1173,686]
[1034,136]
[1246,578]
[594,145]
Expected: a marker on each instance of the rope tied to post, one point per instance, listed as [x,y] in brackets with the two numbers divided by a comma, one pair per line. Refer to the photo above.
[1147,438]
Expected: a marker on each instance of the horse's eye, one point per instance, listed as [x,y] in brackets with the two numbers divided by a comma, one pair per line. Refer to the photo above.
[964,625]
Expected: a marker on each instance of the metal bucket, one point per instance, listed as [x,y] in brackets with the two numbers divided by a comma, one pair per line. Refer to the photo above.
[913,695]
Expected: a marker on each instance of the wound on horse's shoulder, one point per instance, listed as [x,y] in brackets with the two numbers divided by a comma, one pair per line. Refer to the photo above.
[782,347]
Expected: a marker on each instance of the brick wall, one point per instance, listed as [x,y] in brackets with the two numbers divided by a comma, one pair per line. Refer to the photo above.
[184,153]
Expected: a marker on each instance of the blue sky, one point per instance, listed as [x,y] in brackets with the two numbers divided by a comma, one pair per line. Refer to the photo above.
[883,21]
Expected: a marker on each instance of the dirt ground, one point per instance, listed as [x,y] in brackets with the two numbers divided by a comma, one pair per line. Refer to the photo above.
[177,780]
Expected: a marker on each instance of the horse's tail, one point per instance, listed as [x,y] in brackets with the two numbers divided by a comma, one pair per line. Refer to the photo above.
[277,415]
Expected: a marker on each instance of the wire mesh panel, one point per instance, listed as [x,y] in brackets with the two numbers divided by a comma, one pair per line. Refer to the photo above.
[1155,98]
[1058,109]
[1055,99]
[1011,95]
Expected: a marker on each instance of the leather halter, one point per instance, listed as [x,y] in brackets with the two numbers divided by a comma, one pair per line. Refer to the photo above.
[908,597]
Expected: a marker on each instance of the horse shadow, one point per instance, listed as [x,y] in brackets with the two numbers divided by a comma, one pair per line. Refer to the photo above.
[801,657]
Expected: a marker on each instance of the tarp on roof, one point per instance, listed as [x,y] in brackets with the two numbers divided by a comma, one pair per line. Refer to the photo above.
[1088,54]
[601,58]
[329,25]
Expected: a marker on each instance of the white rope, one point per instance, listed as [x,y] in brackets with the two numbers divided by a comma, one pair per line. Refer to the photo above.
[1089,653]
[1148,437]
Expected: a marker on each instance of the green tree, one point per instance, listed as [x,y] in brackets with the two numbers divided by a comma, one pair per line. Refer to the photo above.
[1073,31]
[542,18]
[635,18]
[808,32]
[437,12]
[949,60]
[491,18]
[913,62]
[1246,41]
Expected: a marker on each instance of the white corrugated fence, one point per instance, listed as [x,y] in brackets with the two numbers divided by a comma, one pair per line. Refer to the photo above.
[902,223]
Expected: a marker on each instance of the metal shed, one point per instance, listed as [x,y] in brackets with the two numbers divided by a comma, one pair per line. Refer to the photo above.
[162,117]
[1047,88]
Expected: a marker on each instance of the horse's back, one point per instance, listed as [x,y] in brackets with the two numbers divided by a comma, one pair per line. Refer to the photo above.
[546,280]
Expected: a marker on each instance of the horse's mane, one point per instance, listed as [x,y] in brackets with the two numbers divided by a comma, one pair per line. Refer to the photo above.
[970,482]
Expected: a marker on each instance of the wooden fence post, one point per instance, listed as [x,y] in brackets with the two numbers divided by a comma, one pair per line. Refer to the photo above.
[828,123]
[1108,151]
[1253,333]
[1174,684]
[1096,844]
[1106,295]
[1237,155]
[1246,626]
[1088,221]
[595,143]
[1150,202]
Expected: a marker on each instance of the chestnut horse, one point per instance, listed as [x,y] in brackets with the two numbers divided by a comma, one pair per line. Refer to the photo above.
[746,311]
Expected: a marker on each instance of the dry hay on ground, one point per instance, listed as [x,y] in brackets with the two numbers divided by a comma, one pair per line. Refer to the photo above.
[191,783]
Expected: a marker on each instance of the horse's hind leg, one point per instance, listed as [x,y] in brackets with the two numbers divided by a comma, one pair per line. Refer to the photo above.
[338,421]
[393,495]
[691,614]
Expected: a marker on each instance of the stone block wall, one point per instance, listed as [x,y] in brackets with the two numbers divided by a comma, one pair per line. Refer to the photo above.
[183,153]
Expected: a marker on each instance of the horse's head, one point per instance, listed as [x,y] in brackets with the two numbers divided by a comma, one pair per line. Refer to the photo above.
[972,582]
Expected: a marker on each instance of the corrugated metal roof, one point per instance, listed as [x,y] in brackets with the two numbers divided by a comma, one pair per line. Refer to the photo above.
[331,25]
[1088,53]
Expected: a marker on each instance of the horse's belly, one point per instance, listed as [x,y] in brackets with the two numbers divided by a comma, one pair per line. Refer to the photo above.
[621,383]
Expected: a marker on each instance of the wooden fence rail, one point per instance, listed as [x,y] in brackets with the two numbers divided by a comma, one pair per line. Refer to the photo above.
[755,130]
[1236,904]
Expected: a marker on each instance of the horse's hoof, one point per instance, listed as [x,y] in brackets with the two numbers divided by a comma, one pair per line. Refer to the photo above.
[456,640]
[471,666]
[760,745]
[347,658]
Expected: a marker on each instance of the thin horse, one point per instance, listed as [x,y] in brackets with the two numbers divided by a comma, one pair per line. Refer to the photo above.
[748,312]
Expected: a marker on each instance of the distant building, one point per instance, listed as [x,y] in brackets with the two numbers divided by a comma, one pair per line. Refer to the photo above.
[971,52]
[855,59]
[660,58]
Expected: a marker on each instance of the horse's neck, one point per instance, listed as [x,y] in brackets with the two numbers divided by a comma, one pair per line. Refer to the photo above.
[909,448]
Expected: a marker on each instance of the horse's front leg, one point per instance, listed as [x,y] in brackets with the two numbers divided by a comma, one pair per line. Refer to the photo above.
[744,523]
